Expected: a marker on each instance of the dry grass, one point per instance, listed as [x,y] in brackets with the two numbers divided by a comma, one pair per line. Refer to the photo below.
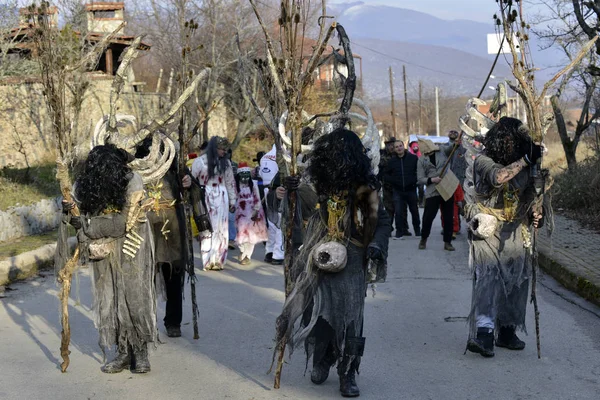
[556,160]
[18,246]
[19,187]
[577,192]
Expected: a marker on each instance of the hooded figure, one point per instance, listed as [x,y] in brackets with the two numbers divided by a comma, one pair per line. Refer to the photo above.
[499,212]
[213,170]
[346,230]
[116,242]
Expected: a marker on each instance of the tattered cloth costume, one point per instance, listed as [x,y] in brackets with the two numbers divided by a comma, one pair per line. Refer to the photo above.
[500,243]
[325,309]
[117,244]
[220,195]
[167,218]
[249,215]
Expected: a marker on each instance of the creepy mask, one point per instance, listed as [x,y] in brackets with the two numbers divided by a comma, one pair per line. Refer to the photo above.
[244,177]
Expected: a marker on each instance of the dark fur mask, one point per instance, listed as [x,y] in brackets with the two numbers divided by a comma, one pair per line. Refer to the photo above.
[507,141]
[104,180]
[339,162]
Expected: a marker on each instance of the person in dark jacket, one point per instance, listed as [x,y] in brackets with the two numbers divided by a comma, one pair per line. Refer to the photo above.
[401,172]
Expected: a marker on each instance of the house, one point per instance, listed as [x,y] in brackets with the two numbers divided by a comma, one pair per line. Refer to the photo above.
[103,18]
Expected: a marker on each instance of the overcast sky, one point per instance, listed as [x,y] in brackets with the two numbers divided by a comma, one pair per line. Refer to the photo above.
[476,10]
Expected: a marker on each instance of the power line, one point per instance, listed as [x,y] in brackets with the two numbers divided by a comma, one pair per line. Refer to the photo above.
[414,64]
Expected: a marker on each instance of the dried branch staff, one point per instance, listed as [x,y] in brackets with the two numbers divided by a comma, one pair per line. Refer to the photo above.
[516,32]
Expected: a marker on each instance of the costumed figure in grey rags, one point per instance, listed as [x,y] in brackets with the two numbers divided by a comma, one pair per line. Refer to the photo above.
[500,194]
[344,232]
[167,218]
[115,240]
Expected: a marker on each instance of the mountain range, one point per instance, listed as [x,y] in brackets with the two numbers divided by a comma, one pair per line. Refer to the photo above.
[451,54]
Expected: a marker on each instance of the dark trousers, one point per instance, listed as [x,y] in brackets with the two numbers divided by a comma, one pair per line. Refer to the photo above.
[432,204]
[401,201]
[174,277]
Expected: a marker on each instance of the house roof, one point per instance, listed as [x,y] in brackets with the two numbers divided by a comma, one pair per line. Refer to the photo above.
[104,6]
[23,35]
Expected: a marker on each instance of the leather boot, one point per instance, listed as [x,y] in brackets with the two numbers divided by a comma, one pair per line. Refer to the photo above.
[119,363]
[140,356]
[422,244]
[320,372]
[484,343]
[348,386]
[354,347]
[508,339]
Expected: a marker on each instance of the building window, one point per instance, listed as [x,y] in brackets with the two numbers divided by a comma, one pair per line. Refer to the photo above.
[104,14]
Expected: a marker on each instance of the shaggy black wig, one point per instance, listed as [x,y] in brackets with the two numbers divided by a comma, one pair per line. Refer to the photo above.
[507,141]
[104,180]
[215,163]
[339,162]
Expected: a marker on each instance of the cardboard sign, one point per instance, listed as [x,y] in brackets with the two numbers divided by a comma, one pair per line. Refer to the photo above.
[448,185]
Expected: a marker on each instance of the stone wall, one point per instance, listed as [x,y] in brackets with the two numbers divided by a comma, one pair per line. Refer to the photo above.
[26,128]
[33,219]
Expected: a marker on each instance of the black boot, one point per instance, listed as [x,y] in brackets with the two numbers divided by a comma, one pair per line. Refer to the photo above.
[119,363]
[320,372]
[508,339]
[140,356]
[353,350]
[348,386]
[484,343]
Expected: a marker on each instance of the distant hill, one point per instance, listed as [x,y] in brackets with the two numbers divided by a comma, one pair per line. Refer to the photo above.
[457,47]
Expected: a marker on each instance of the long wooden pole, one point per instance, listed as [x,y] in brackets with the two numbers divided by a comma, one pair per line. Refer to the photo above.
[405,101]
[393,106]
[420,106]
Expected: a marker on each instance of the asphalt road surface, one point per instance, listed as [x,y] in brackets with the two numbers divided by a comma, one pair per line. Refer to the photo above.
[415,327]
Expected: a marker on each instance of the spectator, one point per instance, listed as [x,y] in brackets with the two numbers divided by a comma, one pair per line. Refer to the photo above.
[413,147]
[430,167]
[401,172]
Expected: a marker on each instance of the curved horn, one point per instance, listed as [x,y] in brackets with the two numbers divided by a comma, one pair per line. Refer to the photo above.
[284,137]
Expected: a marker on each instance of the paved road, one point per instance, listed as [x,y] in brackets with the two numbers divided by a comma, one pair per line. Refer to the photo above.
[415,329]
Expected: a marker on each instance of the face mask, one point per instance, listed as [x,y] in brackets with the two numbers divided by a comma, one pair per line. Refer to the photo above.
[244,177]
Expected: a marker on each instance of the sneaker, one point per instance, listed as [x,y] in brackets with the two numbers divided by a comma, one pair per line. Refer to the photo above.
[454,236]
[483,343]
[423,244]
[407,233]
[448,247]
[268,257]
[275,261]
[245,261]
[508,339]
[231,245]
[398,237]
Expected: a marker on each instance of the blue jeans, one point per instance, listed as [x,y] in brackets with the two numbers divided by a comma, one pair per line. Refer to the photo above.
[232,230]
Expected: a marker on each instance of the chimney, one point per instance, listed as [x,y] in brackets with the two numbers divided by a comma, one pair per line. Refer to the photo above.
[28,17]
[104,16]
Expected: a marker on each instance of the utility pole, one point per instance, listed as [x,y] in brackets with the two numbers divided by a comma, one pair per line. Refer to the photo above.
[406,102]
[420,105]
[437,112]
[393,110]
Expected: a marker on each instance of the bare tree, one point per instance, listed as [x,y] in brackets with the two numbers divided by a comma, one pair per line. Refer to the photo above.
[566,32]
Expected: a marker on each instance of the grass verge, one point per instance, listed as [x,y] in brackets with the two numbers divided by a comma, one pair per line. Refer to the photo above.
[27,186]
[22,245]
